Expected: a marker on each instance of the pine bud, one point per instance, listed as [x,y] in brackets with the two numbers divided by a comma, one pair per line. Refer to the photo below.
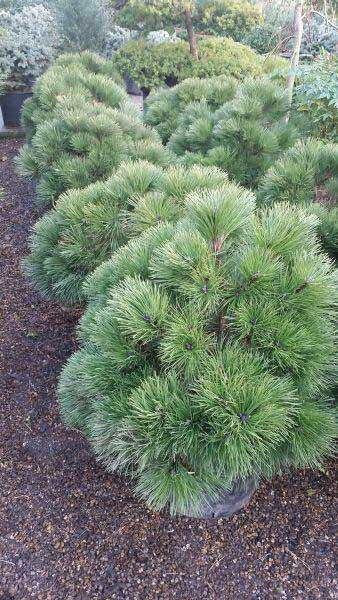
[244,418]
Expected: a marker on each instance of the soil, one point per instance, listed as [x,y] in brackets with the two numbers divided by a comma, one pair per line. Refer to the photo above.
[69,530]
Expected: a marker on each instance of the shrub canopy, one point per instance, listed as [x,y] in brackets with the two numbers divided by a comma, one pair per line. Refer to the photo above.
[87,225]
[307,174]
[208,348]
[243,137]
[165,106]
[153,65]
[84,143]
[231,18]
[67,78]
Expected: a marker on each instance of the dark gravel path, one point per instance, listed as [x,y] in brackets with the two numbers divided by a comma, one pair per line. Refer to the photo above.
[70,531]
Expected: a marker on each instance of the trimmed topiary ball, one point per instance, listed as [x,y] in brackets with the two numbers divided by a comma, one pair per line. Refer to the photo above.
[87,225]
[243,137]
[207,351]
[84,143]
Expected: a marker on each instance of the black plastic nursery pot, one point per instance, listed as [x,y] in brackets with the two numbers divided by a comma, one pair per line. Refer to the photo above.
[11,104]
[229,501]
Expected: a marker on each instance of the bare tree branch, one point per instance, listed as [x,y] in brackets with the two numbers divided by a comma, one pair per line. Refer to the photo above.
[315,12]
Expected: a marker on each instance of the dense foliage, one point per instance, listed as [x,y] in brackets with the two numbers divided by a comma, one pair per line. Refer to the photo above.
[231,18]
[207,351]
[83,143]
[80,74]
[307,174]
[243,137]
[87,225]
[27,44]
[316,96]
[147,16]
[263,38]
[152,65]
[303,172]
[84,25]
[80,127]
[208,347]
[164,107]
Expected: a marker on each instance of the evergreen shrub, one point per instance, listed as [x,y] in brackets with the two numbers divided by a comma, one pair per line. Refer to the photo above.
[153,65]
[164,107]
[307,174]
[243,137]
[83,74]
[85,142]
[233,18]
[208,350]
[87,225]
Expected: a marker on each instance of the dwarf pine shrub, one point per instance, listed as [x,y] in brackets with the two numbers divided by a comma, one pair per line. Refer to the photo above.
[69,78]
[302,174]
[85,142]
[164,107]
[243,137]
[207,351]
[307,174]
[92,62]
[87,225]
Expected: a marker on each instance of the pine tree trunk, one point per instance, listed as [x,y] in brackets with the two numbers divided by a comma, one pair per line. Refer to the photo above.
[191,33]
[298,32]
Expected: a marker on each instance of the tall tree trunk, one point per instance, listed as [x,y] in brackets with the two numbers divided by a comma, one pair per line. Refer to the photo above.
[298,33]
[191,33]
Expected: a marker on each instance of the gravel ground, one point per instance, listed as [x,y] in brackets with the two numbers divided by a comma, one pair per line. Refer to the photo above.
[70,531]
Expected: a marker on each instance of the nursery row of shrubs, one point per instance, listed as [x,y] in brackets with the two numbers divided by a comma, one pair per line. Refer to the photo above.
[208,346]
[81,126]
